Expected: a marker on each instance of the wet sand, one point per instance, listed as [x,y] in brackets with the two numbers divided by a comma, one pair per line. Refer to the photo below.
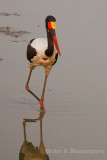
[10,32]
[74,125]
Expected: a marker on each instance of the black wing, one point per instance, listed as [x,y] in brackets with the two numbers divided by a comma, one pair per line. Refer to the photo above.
[31,52]
[56,57]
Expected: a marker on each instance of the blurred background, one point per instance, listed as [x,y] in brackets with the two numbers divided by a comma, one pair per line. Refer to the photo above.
[76,91]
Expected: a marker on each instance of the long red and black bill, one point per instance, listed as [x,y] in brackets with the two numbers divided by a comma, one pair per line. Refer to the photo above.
[51,28]
[56,44]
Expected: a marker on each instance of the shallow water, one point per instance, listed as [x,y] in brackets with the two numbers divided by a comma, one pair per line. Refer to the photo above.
[76,92]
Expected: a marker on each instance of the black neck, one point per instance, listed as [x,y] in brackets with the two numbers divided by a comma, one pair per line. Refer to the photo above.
[50,48]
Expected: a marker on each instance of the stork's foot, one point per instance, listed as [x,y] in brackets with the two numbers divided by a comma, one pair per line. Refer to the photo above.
[42,106]
[41,103]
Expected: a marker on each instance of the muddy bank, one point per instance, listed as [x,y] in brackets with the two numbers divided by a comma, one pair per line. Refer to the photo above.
[9,14]
[13,33]
[10,31]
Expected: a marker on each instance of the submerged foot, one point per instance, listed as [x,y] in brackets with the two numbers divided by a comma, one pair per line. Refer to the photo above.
[41,104]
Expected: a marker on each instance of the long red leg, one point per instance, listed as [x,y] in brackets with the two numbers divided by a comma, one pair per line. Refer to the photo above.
[42,97]
[47,71]
[27,87]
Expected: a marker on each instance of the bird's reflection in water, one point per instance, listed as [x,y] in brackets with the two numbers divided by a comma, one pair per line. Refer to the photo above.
[30,152]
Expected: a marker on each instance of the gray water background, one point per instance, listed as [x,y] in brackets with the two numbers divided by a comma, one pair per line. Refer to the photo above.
[76,91]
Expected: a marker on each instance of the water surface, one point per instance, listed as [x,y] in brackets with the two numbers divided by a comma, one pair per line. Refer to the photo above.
[76,91]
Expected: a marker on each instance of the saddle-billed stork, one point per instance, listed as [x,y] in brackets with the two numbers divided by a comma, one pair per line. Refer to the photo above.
[41,52]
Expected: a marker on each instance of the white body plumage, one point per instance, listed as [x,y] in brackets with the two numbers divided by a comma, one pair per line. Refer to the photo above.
[41,45]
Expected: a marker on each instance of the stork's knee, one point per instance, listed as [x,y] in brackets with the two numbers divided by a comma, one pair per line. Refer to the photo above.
[27,88]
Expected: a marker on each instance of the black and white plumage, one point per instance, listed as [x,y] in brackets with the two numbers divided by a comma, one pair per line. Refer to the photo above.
[37,48]
[41,52]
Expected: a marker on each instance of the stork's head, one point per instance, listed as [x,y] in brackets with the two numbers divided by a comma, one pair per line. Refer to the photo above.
[51,27]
